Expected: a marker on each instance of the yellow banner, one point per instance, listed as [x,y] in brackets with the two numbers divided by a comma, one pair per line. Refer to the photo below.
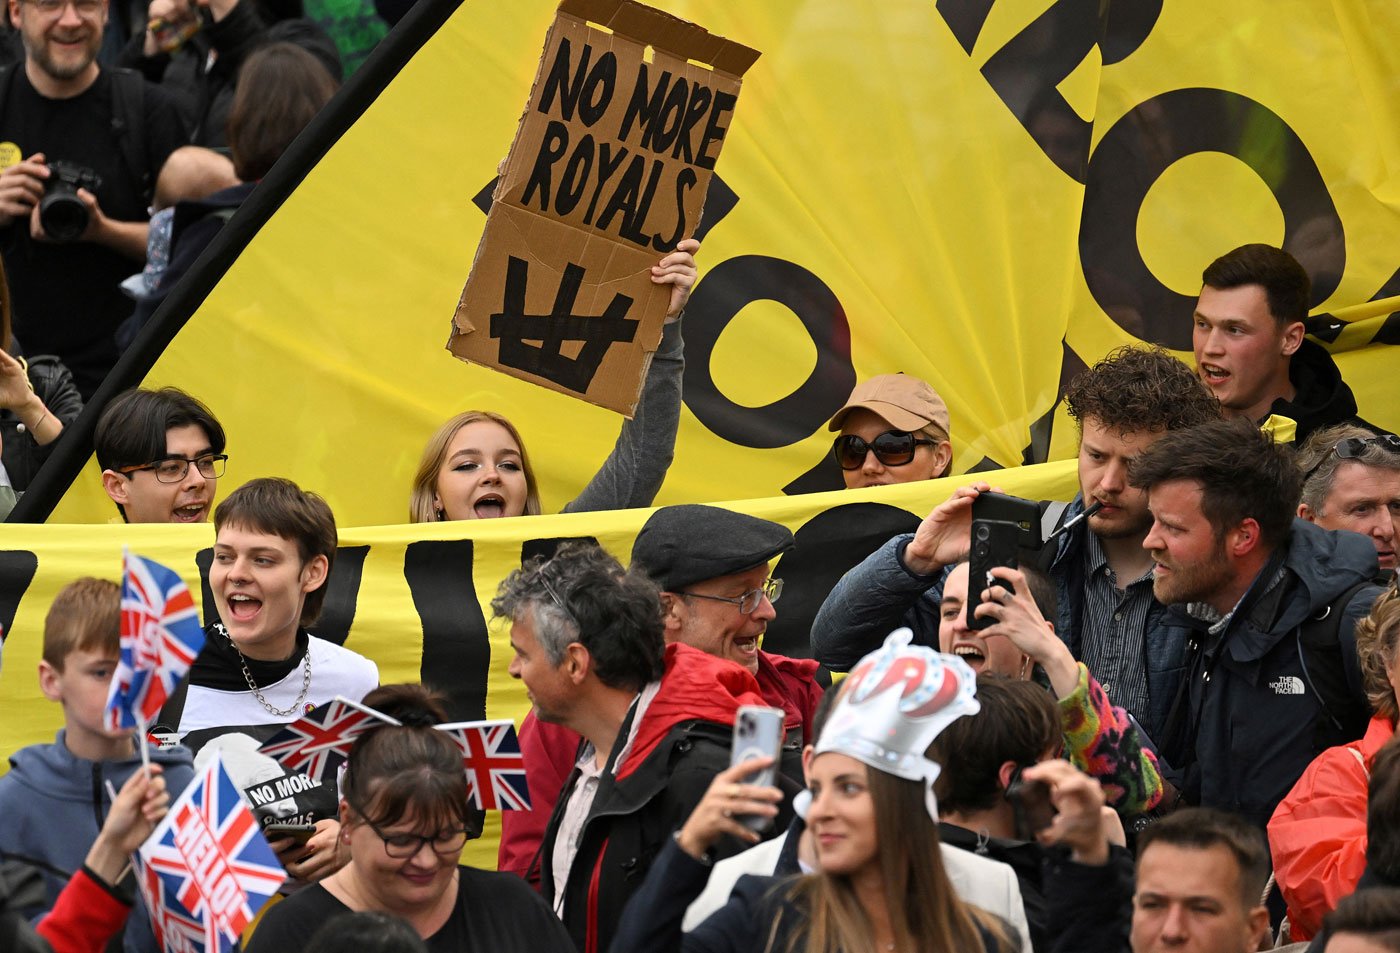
[416,599]
[984,194]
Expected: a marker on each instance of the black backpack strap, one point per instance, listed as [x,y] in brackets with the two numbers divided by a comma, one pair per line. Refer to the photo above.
[129,125]
[1327,649]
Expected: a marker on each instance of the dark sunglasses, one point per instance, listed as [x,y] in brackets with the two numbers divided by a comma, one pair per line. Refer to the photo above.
[1353,447]
[893,448]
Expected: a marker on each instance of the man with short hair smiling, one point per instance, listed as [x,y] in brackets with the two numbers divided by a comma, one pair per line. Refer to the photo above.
[113,133]
[161,454]
[1250,347]
[1247,580]
[1351,481]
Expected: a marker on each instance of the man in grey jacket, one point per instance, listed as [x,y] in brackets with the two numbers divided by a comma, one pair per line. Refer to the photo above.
[1107,614]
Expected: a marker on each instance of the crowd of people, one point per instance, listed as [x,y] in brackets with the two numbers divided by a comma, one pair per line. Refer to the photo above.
[1168,727]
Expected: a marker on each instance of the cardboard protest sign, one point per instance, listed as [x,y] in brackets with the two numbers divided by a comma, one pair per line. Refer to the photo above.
[608,171]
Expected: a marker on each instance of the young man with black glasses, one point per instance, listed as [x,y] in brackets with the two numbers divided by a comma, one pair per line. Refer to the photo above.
[1351,481]
[1103,577]
[161,454]
[894,429]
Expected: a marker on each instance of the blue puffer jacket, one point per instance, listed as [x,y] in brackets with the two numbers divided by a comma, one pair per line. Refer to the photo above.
[1252,717]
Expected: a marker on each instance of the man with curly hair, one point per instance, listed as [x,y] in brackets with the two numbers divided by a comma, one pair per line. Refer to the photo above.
[1107,614]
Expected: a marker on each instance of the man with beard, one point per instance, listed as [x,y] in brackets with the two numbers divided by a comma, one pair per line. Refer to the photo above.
[1107,614]
[112,133]
[1261,695]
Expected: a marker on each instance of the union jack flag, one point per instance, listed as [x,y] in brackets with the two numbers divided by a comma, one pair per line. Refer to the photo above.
[318,743]
[175,931]
[160,637]
[495,768]
[213,865]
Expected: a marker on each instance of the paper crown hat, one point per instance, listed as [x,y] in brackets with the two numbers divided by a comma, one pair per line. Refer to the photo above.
[894,703]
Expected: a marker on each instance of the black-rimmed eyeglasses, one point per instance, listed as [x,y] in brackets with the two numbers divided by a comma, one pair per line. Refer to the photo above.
[1353,447]
[748,601]
[173,469]
[893,448]
[404,846]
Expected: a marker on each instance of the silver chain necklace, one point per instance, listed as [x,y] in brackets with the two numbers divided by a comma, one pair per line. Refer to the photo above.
[253,686]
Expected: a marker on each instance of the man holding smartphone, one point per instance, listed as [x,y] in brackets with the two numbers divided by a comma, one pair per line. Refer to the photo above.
[1103,576]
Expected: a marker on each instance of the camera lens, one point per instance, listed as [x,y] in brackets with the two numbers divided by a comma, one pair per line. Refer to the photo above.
[984,532]
[63,215]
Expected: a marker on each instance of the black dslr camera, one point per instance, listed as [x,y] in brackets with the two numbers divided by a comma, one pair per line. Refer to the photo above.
[61,212]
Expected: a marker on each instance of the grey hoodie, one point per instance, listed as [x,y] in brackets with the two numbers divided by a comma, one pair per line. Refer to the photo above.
[52,805]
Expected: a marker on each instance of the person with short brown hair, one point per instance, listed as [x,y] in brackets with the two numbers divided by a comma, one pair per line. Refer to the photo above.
[260,667]
[1250,344]
[55,796]
[1244,577]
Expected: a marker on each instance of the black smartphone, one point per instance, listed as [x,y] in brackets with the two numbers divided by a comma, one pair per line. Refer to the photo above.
[994,543]
[1030,804]
[1002,526]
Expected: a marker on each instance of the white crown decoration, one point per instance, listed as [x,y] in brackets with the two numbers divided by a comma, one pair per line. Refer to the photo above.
[894,703]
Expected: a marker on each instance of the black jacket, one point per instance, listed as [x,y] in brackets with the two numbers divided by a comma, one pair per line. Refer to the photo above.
[683,741]
[1322,398]
[1250,718]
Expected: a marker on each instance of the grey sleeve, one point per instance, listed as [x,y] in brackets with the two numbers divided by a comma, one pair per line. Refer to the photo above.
[635,469]
[870,602]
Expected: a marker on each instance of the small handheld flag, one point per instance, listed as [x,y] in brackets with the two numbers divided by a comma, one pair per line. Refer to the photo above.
[319,742]
[160,637]
[494,765]
[207,864]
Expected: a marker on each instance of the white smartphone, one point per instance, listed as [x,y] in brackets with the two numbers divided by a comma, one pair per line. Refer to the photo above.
[758,733]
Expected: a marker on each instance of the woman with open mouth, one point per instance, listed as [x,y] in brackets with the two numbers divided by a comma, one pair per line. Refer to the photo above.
[475,465]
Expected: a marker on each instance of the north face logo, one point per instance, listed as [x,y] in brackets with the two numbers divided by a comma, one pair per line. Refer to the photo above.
[1287,685]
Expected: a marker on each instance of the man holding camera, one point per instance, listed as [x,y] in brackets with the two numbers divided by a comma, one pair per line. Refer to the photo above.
[81,147]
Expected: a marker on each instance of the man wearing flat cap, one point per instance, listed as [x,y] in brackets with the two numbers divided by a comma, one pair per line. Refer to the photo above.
[716,596]
[893,429]
[712,567]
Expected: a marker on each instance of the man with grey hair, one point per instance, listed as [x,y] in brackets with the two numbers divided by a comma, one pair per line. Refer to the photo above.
[656,723]
[1351,481]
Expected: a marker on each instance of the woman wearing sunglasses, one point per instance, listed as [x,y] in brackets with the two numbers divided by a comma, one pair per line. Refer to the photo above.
[894,429]
[404,819]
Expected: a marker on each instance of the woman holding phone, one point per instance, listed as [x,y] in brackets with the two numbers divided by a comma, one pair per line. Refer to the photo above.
[880,883]
[404,817]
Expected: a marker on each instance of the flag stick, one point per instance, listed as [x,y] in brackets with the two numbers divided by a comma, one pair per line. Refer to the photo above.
[142,742]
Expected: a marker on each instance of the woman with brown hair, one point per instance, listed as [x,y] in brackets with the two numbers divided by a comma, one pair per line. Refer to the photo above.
[880,883]
[404,819]
[1318,832]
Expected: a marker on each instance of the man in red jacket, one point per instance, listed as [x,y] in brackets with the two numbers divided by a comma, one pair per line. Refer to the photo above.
[712,567]
[656,724]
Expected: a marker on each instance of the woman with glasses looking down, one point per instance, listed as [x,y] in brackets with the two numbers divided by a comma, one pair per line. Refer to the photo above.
[894,429]
[404,818]
[475,465]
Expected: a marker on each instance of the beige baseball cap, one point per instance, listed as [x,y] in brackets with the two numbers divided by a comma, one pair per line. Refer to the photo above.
[906,402]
